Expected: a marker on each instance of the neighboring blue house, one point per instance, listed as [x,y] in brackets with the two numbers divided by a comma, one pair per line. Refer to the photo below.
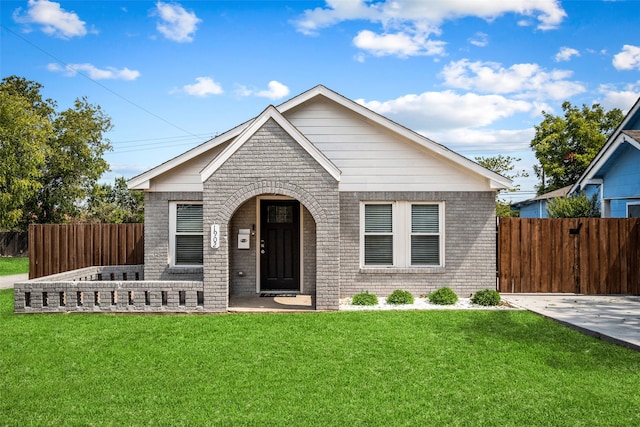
[537,206]
[614,174]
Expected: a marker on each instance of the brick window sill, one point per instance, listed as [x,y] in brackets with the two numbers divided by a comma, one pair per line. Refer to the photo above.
[402,270]
[185,270]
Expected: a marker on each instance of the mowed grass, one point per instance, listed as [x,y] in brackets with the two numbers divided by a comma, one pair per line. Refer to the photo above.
[322,369]
[10,266]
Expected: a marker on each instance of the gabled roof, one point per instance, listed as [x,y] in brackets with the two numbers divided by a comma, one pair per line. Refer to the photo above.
[142,181]
[546,196]
[258,122]
[619,137]
[497,181]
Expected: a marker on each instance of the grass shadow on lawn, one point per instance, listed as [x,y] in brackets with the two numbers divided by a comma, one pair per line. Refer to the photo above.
[562,347]
[344,368]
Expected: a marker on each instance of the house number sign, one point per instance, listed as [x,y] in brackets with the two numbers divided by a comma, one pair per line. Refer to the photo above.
[215,236]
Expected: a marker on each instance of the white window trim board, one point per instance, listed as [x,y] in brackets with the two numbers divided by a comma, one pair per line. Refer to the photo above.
[173,214]
[401,212]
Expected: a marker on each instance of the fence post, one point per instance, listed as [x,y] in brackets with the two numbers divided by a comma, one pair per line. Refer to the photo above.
[575,232]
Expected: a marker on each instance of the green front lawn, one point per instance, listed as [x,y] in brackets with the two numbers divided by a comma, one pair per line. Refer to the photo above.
[348,368]
[10,266]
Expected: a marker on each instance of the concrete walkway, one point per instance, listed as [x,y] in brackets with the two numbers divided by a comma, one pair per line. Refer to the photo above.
[6,282]
[613,318]
[257,304]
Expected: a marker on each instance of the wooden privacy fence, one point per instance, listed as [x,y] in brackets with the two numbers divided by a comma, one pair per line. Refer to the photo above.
[14,243]
[56,248]
[573,255]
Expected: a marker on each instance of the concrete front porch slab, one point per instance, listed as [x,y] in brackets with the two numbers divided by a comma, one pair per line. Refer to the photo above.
[257,304]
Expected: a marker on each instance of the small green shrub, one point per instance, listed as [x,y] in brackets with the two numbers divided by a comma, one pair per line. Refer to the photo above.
[486,297]
[443,296]
[400,297]
[364,298]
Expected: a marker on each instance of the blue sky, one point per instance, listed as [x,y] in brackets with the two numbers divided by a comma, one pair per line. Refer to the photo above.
[472,75]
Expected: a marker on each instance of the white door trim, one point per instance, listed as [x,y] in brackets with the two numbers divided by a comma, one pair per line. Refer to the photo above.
[258,235]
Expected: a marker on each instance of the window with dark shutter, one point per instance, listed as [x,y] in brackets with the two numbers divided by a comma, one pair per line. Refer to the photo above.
[188,235]
[378,234]
[425,235]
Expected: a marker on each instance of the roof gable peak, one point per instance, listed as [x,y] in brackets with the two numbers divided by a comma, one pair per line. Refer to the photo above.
[270,113]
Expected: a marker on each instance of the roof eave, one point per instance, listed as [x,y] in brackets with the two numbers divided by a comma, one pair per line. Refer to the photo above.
[143,181]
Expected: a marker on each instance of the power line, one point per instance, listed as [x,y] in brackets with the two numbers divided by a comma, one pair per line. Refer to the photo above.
[98,83]
[164,138]
[116,151]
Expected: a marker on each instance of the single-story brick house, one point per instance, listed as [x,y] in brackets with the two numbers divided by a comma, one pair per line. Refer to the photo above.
[320,196]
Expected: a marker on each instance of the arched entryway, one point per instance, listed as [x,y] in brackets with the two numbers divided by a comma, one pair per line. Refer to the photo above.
[274,215]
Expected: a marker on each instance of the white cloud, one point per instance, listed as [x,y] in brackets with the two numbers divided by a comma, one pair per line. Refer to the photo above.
[204,86]
[336,11]
[482,140]
[566,53]
[437,111]
[175,22]
[408,24]
[479,39]
[628,59]
[54,20]
[622,98]
[425,15]
[524,80]
[243,91]
[276,90]
[108,73]
[400,44]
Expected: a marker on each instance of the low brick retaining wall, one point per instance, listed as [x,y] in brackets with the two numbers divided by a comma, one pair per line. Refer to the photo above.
[107,289]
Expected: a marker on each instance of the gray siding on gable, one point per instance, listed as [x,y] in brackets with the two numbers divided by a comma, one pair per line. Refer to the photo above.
[470,246]
[156,237]
[272,163]
[372,157]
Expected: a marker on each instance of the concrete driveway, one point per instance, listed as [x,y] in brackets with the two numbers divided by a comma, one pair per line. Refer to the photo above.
[6,282]
[613,318]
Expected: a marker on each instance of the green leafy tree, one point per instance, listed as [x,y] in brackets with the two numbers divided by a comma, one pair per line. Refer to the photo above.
[65,149]
[574,206]
[564,146]
[505,166]
[23,136]
[115,204]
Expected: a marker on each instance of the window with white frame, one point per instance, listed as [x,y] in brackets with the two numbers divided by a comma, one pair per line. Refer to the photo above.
[378,234]
[186,244]
[633,210]
[402,234]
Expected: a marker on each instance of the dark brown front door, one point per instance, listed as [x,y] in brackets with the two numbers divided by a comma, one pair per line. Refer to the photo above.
[279,245]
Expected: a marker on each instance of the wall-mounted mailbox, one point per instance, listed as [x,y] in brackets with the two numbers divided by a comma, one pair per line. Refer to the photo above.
[244,238]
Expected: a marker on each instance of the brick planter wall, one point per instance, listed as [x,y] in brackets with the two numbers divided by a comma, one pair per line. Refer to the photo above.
[107,289]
